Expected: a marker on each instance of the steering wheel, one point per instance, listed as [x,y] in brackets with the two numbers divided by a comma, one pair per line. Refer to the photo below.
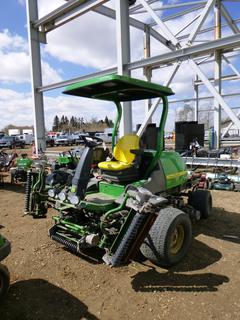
[92,141]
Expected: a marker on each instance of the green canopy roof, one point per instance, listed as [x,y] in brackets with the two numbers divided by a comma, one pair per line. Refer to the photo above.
[117,88]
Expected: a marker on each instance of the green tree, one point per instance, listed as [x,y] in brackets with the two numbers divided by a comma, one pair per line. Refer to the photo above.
[110,123]
[72,123]
[106,121]
[66,121]
[55,126]
[61,123]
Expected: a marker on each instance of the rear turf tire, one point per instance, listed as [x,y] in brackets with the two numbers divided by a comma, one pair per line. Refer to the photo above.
[201,200]
[4,281]
[169,238]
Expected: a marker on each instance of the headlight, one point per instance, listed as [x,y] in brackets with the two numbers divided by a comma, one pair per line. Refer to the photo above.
[62,196]
[73,199]
[51,193]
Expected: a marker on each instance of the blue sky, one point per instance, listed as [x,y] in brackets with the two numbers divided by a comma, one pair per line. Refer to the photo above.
[13,16]
[85,45]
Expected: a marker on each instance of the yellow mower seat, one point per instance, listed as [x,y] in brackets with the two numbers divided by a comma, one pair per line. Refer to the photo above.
[122,154]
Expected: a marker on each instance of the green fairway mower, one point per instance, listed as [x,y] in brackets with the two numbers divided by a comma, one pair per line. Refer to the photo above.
[142,198]
[5,249]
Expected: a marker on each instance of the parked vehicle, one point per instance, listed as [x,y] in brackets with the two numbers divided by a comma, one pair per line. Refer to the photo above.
[74,137]
[50,141]
[27,138]
[80,139]
[106,137]
[11,142]
[63,140]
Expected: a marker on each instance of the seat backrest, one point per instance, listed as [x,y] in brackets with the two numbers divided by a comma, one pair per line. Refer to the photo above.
[121,151]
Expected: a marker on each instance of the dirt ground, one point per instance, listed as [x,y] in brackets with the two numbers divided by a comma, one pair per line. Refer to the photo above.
[48,282]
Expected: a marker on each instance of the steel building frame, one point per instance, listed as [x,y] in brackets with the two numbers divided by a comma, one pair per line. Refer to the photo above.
[179,48]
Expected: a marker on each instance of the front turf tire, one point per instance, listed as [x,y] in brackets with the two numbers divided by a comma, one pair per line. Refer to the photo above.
[169,238]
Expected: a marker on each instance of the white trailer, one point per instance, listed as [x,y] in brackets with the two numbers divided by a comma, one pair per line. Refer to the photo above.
[27,131]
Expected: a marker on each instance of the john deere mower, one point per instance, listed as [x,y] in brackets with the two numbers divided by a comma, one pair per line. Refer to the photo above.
[5,249]
[141,199]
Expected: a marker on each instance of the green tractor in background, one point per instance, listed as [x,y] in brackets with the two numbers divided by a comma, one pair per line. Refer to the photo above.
[141,199]
[19,172]
[65,160]
[5,249]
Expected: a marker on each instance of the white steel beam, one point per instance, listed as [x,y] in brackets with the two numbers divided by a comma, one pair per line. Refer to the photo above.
[229,19]
[217,106]
[217,75]
[206,30]
[201,20]
[157,102]
[148,116]
[228,95]
[223,78]
[238,74]
[225,131]
[188,52]
[181,13]
[83,9]
[231,66]
[187,25]
[172,74]
[205,59]
[161,24]
[170,6]
[36,76]
[110,13]
[76,8]
[65,83]
[123,57]
[214,92]
[163,59]
[69,11]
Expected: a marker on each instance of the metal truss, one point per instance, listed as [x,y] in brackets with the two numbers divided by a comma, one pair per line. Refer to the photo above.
[212,162]
[181,45]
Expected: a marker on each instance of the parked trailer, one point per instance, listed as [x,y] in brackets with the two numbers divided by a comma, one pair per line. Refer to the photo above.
[13,132]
